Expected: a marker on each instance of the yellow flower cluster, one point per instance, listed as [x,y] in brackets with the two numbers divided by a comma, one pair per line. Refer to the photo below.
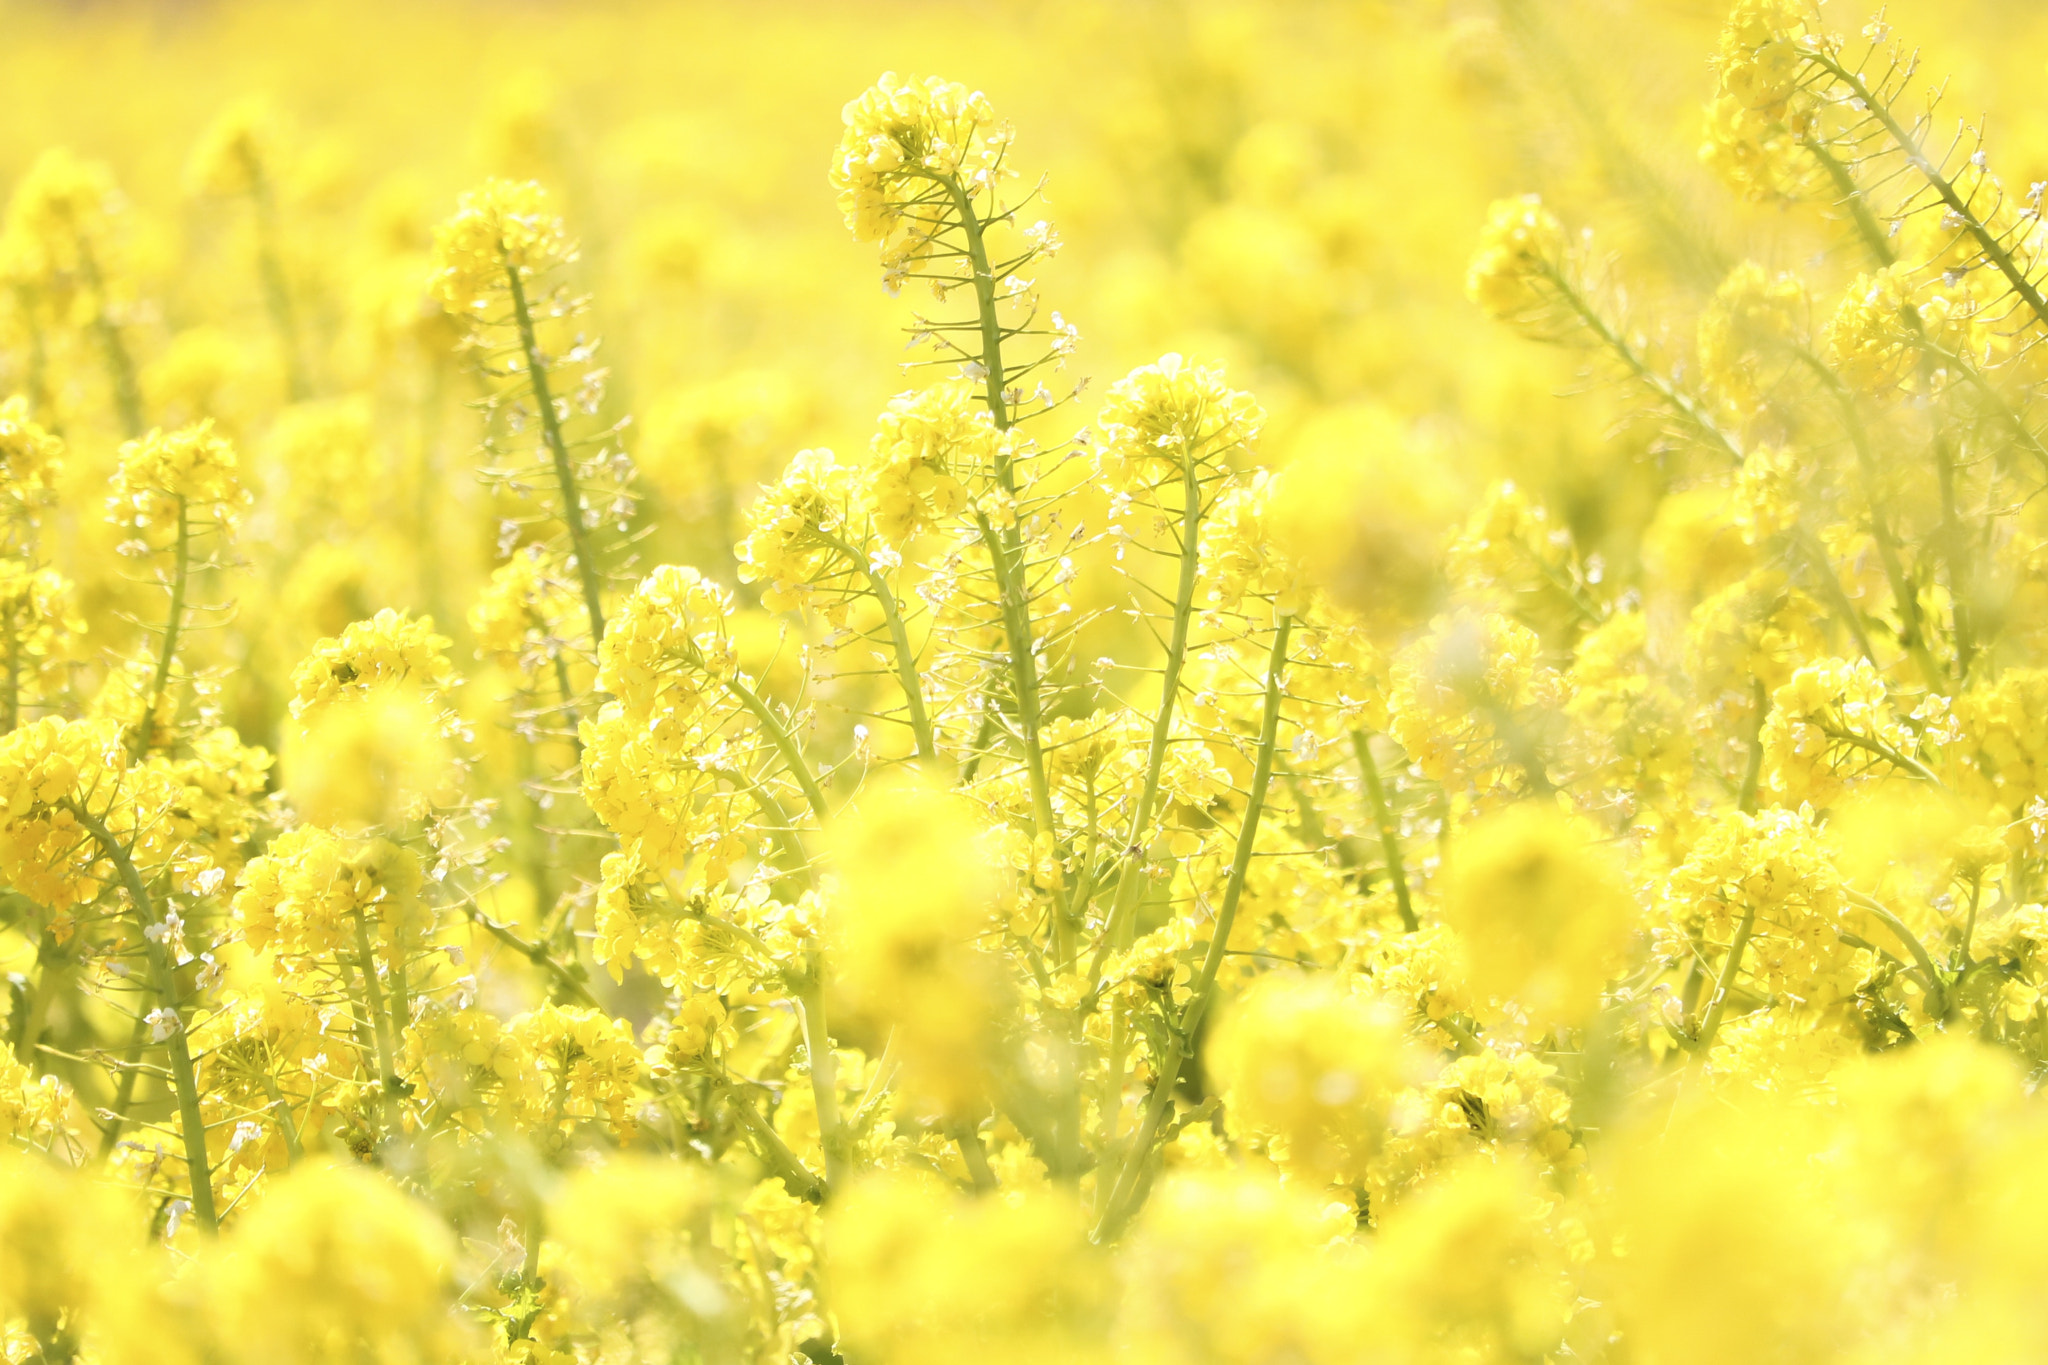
[1521,250]
[503,236]
[906,141]
[389,648]
[169,476]
[1483,853]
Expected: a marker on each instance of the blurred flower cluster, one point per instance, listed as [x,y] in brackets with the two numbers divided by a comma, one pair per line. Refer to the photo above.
[579,783]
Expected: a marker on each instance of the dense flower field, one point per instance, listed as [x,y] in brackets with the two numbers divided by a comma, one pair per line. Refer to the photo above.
[580,783]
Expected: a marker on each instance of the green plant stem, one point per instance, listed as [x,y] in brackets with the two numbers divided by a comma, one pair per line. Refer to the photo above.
[558,451]
[899,644]
[775,1153]
[1005,546]
[124,1088]
[824,1075]
[1383,818]
[1936,991]
[184,1080]
[114,350]
[1131,871]
[1203,990]
[281,1110]
[380,1026]
[277,294]
[160,680]
[1987,241]
[784,742]
[1752,772]
[1716,1006]
[534,953]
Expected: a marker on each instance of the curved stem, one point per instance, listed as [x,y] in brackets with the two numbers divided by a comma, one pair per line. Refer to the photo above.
[184,1081]
[534,953]
[899,642]
[1936,993]
[784,742]
[775,1153]
[1203,990]
[558,451]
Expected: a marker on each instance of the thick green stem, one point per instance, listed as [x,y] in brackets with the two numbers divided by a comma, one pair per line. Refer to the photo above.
[281,1110]
[1383,817]
[163,972]
[1752,771]
[558,451]
[1936,993]
[824,1075]
[775,1153]
[380,1024]
[1203,990]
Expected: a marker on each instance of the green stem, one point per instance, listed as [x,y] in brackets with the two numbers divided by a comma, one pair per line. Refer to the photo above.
[380,1025]
[784,742]
[780,1160]
[281,1110]
[534,953]
[1987,241]
[899,643]
[1383,817]
[1680,403]
[277,294]
[1131,873]
[558,451]
[1936,994]
[1203,989]
[160,681]
[1715,1007]
[824,1075]
[120,365]
[1752,772]
[124,1088]
[184,1081]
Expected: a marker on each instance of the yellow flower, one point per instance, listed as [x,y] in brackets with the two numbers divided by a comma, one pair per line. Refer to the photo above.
[916,893]
[920,1275]
[335,1265]
[1305,1060]
[169,475]
[501,232]
[1513,275]
[929,445]
[390,647]
[1543,915]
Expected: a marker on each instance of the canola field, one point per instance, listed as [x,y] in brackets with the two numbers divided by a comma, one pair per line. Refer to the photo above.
[1034,681]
